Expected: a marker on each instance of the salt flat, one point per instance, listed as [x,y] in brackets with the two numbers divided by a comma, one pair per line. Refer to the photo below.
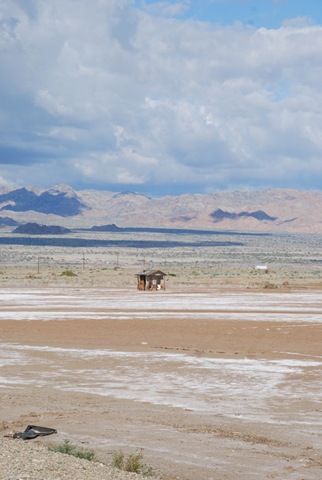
[207,383]
[59,304]
[216,378]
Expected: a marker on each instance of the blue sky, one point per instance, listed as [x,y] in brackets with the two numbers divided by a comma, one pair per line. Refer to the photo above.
[161,97]
[257,13]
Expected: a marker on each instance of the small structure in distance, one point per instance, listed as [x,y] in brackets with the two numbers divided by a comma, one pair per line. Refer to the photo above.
[261,268]
[151,280]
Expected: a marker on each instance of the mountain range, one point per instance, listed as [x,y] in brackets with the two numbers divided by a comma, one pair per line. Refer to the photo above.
[272,210]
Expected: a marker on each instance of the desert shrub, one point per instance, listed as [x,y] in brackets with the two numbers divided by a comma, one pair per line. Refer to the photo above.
[70,449]
[68,273]
[118,459]
[132,463]
[270,285]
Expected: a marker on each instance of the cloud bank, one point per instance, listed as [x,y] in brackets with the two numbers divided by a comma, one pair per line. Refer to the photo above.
[109,94]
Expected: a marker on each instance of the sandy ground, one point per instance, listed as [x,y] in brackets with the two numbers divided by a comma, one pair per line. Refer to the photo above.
[209,383]
[216,378]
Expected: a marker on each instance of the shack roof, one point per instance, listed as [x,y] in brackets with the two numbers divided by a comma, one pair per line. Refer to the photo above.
[151,273]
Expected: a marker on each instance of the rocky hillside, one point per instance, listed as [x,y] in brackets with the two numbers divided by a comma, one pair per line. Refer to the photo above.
[61,201]
[36,229]
[257,211]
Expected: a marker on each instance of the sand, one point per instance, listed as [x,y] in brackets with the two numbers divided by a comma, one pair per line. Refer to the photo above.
[207,382]
[216,378]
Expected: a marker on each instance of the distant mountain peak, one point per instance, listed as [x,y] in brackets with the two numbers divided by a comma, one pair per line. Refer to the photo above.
[62,188]
[129,193]
[63,203]
[219,215]
[106,228]
[31,228]
[274,210]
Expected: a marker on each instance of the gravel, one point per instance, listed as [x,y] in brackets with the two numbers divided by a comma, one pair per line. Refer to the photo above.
[26,460]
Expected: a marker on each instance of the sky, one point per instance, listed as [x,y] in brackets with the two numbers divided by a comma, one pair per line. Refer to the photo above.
[161,97]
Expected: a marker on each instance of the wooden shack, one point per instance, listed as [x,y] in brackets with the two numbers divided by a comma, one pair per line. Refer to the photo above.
[151,280]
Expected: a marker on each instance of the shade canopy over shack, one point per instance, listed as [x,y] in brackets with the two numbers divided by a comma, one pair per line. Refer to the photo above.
[151,280]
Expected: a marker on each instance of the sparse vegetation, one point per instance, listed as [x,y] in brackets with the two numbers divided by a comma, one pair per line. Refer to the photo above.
[294,258]
[70,449]
[131,463]
[270,286]
[68,273]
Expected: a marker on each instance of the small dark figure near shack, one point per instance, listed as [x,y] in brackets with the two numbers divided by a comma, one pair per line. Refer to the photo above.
[151,280]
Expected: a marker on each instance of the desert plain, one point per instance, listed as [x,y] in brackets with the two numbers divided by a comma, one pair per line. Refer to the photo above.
[217,377]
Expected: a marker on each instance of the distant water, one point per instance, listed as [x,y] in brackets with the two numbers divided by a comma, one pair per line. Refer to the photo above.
[129,243]
[67,241]
[181,231]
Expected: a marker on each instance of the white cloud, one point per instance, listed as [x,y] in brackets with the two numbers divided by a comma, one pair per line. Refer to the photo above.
[113,95]
[167,9]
